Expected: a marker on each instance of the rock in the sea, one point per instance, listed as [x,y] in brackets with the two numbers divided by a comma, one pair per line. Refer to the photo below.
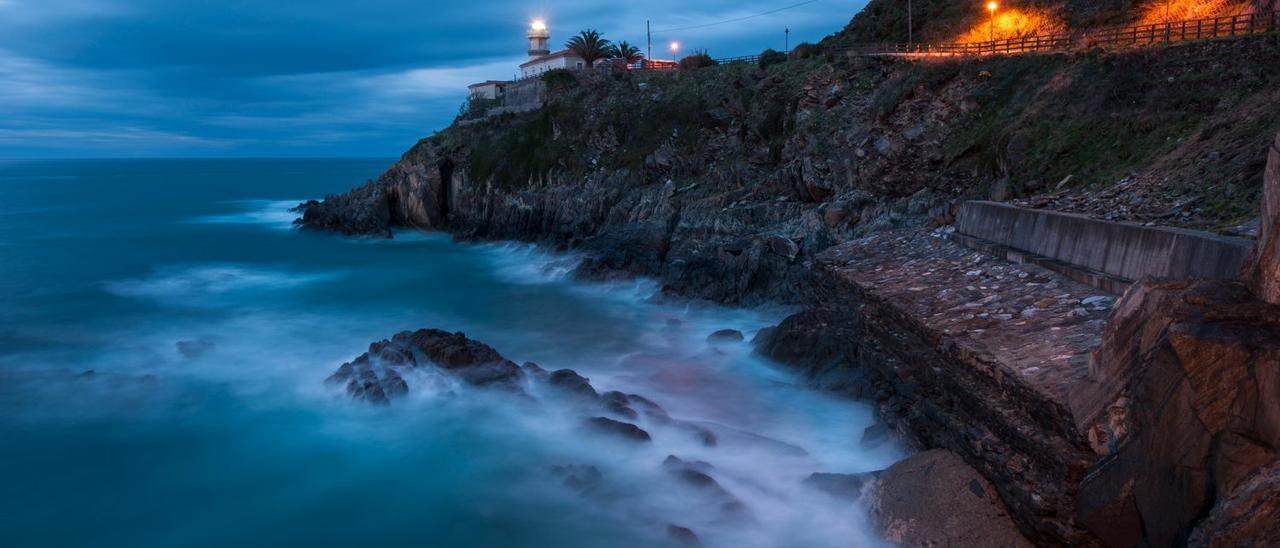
[725,336]
[569,381]
[683,535]
[373,375]
[935,499]
[619,429]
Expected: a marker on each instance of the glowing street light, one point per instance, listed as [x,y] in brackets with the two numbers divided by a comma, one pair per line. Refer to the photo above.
[675,47]
[992,7]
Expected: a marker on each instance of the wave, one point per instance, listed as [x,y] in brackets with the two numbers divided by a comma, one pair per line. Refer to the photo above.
[276,214]
[210,280]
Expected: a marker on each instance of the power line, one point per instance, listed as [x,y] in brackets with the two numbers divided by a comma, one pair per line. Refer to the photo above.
[737,19]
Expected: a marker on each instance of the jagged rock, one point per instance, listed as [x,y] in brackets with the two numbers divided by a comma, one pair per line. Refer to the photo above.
[371,376]
[362,211]
[1181,398]
[571,382]
[618,404]
[725,336]
[620,429]
[783,247]
[1263,270]
[935,499]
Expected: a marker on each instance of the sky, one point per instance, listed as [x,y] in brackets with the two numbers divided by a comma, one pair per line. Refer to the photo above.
[323,78]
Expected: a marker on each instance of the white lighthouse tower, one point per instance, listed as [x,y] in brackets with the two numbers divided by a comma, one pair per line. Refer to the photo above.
[538,38]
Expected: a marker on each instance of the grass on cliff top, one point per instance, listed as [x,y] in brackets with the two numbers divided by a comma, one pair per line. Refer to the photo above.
[617,122]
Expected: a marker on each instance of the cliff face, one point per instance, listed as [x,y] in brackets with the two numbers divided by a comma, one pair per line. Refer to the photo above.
[817,182]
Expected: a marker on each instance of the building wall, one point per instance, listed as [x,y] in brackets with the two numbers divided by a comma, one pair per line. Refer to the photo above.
[487,91]
[565,62]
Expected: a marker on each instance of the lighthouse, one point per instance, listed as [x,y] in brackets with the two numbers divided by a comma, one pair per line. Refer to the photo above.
[538,37]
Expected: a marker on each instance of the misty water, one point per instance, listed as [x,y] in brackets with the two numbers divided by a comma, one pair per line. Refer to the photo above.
[209,325]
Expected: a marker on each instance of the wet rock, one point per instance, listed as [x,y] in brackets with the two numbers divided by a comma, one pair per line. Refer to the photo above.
[850,487]
[726,336]
[683,535]
[569,381]
[618,404]
[697,475]
[624,430]
[935,499]
[372,376]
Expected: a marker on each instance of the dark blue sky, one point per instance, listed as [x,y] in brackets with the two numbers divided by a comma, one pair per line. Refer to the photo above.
[166,78]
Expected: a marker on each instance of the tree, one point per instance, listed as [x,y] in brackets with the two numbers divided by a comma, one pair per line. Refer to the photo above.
[626,52]
[590,45]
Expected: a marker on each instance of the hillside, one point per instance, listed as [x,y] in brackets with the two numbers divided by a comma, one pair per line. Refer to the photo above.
[830,181]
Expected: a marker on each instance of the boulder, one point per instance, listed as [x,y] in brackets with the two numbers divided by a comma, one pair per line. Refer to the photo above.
[1263,270]
[783,246]
[373,376]
[624,430]
[726,336]
[935,499]
[1181,398]
[570,382]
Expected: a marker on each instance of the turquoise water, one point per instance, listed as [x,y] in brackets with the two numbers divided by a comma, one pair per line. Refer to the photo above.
[209,325]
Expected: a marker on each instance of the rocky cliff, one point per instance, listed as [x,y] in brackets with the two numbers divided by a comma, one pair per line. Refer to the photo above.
[821,181]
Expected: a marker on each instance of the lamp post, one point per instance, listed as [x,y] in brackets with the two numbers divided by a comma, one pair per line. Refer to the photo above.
[675,48]
[787,40]
[909,29]
[992,7]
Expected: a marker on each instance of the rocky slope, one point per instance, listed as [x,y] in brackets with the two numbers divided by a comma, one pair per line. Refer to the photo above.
[816,181]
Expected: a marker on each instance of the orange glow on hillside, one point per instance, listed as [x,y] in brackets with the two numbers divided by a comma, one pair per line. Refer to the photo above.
[1163,11]
[1013,23]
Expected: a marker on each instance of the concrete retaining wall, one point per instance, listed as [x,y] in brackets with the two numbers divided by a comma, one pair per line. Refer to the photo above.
[1124,250]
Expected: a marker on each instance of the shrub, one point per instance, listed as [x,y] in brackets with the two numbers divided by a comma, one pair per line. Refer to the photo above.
[804,50]
[771,57]
[559,79]
[697,60]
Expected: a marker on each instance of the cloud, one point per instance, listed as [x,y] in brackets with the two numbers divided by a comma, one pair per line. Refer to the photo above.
[331,77]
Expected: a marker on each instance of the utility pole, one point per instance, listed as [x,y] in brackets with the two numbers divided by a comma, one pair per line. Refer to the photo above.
[787,43]
[648,34]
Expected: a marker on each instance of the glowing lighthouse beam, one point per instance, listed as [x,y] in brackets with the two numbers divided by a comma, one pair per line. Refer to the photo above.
[538,24]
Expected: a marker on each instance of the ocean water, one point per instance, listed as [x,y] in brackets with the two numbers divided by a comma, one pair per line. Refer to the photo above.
[165,334]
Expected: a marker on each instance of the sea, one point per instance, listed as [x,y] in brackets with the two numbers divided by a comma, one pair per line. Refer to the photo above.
[165,335]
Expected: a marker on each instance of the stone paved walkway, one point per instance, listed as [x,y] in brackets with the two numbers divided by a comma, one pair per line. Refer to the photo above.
[1034,323]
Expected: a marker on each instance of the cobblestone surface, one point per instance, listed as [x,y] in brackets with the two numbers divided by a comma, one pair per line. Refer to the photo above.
[1034,323]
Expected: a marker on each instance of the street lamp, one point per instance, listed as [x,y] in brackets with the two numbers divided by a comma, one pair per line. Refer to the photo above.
[992,7]
[675,47]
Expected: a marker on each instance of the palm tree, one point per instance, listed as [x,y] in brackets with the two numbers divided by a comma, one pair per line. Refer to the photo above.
[590,46]
[626,52]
